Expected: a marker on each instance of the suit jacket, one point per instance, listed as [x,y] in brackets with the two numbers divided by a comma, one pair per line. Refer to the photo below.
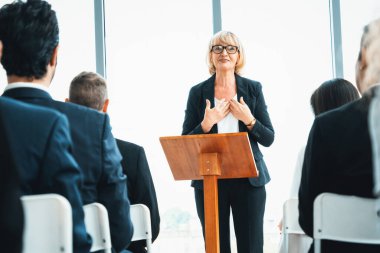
[95,150]
[11,214]
[338,159]
[262,132]
[140,186]
[40,146]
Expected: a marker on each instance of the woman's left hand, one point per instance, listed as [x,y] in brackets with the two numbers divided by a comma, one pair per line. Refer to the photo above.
[241,111]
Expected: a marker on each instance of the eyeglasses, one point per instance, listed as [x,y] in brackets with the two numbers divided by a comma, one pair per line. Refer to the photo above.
[218,49]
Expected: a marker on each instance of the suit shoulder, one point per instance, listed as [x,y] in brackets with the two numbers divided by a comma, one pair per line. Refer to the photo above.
[252,85]
[30,111]
[198,87]
[126,145]
[250,82]
[80,110]
[342,113]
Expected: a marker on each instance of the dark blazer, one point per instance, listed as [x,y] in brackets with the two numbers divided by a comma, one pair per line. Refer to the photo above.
[11,214]
[140,186]
[262,132]
[337,160]
[40,146]
[99,159]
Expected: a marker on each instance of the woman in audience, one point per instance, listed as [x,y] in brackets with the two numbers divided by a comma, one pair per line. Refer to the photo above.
[329,95]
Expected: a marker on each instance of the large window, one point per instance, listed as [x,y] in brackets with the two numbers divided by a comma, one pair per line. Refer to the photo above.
[354,16]
[155,54]
[288,51]
[76,44]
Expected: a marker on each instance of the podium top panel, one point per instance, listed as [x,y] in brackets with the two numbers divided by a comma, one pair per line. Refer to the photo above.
[234,151]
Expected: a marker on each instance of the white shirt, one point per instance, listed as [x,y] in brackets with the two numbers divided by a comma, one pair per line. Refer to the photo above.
[26,85]
[297,174]
[229,124]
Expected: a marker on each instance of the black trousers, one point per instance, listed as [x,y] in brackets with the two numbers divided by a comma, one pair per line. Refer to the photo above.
[247,204]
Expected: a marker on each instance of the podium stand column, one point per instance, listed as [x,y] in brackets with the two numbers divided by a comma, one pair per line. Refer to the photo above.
[210,170]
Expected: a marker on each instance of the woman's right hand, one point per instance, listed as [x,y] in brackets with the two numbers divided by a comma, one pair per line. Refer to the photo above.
[214,115]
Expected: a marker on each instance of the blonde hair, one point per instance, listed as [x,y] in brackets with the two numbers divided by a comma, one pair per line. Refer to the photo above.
[226,37]
[371,43]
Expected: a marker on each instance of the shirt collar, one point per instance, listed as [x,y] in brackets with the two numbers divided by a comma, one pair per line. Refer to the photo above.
[26,85]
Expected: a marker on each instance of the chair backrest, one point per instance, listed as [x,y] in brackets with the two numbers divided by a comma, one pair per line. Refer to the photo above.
[294,238]
[142,230]
[345,218]
[290,215]
[374,131]
[97,225]
[48,224]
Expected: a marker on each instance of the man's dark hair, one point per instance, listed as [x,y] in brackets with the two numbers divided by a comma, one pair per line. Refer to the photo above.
[29,33]
[332,94]
[88,89]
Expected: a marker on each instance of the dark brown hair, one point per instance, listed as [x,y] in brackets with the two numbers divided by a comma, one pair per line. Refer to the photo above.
[332,94]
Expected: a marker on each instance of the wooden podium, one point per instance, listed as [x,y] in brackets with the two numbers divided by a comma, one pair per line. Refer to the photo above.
[210,157]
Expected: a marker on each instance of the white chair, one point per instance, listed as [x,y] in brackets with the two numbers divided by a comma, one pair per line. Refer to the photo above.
[97,225]
[294,238]
[374,131]
[142,230]
[48,224]
[346,219]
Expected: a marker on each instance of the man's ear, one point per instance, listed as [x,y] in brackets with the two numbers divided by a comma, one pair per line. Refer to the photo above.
[363,59]
[105,106]
[54,56]
[67,100]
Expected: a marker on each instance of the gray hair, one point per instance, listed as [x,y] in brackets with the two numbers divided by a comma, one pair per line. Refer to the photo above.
[88,89]
[370,42]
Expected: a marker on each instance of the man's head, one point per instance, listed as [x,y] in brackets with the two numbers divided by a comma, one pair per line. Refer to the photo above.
[368,63]
[29,34]
[89,89]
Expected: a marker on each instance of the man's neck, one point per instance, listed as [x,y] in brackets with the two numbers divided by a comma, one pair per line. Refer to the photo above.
[18,79]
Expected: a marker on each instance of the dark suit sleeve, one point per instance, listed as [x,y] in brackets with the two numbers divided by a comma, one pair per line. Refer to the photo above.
[61,175]
[11,214]
[113,193]
[311,179]
[145,192]
[262,131]
[141,187]
[193,119]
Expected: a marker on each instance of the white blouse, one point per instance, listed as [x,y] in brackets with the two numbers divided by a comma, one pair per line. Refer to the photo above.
[229,124]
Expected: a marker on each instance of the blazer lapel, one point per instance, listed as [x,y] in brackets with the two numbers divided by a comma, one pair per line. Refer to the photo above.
[209,93]
[242,91]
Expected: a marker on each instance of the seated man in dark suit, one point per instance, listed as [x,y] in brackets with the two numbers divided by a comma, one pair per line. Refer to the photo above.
[90,89]
[338,156]
[29,33]
[39,143]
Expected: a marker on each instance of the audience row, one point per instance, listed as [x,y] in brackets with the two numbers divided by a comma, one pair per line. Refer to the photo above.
[59,147]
